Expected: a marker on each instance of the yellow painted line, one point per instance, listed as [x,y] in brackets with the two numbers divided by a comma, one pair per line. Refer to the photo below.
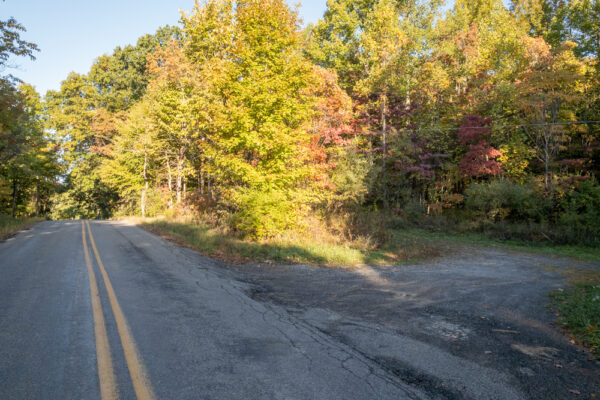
[137,371]
[106,375]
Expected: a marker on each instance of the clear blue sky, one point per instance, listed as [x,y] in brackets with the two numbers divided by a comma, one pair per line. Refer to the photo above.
[72,33]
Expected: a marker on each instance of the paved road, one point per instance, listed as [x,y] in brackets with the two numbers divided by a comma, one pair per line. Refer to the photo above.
[106,310]
[176,328]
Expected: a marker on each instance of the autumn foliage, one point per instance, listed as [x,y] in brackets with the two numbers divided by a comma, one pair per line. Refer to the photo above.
[260,125]
[480,159]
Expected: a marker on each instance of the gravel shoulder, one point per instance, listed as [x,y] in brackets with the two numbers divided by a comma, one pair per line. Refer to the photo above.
[459,327]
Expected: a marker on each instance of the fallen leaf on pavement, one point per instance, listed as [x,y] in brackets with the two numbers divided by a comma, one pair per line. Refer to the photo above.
[505,331]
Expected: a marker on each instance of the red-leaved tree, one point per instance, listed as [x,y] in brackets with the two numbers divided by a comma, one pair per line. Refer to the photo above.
[481,159]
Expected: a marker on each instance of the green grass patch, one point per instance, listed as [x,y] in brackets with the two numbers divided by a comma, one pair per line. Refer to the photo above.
[478,239]
[578,310]
[401,245]
[400,248]
[9,225]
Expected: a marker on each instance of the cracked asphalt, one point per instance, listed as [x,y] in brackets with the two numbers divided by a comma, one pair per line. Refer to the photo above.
[468,327]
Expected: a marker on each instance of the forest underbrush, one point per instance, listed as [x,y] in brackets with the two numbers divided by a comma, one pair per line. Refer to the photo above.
[369,237]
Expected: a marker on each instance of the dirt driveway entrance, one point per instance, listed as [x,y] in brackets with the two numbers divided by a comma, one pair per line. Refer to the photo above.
[470,327]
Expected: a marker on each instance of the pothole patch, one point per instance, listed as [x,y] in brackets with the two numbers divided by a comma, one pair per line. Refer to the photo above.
[536,351]
[446,330]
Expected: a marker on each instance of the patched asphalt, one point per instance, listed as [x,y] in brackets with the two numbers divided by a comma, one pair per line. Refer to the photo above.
[474,325]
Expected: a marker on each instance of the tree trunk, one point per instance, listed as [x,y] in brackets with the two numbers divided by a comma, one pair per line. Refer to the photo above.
[37,197]
[546,164]
[170,183]
[179,186]
[383,151]
[143,200]
[145,190]
[13,208]
[180,161]
[202,183]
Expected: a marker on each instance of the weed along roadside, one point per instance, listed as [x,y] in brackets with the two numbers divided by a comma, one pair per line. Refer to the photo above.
[578,309]
[10,226]
[323,247]
[312,248]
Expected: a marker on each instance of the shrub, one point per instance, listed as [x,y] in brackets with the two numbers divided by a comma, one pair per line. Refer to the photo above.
[156,203]
[580,216]
[414,210]
[264,214]
[528,231]
[504,200]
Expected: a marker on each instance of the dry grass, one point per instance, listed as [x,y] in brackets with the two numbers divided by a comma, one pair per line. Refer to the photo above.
[314,245]
[9,226]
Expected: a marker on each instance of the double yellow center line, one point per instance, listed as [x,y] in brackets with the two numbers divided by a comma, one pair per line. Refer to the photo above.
[106,375]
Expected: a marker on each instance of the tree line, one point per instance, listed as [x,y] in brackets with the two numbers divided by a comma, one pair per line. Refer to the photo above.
[482,114]
[28,163]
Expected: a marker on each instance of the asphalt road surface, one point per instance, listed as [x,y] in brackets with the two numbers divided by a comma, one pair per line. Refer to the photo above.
[104,310]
